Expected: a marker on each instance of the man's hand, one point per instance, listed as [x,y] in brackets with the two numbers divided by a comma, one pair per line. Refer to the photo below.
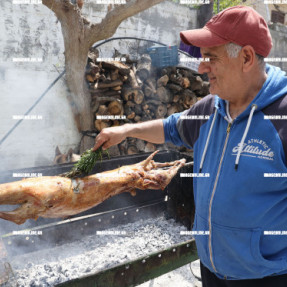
[151,131]
[110,136]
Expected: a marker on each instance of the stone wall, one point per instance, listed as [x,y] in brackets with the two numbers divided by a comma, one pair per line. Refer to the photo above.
[279,49]
[32,31]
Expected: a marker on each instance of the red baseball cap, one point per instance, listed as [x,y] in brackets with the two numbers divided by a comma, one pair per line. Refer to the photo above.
[241,25]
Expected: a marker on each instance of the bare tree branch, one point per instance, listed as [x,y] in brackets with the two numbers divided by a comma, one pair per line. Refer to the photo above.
[58,6]
[113,19]
[79,35]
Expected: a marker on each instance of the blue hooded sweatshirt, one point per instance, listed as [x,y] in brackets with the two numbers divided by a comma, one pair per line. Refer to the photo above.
[242,205]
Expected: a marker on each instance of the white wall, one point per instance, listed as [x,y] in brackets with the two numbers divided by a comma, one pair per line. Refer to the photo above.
[32,31]
[279,49]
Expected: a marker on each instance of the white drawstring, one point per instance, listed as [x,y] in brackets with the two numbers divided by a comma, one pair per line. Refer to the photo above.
[254,107]
[207,141]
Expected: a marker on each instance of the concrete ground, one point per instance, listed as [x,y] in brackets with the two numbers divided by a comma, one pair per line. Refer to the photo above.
[181,277]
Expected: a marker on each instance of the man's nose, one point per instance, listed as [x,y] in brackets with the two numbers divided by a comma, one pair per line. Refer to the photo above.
[203,67]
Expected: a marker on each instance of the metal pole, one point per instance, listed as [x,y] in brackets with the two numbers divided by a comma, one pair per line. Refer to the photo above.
[217,6]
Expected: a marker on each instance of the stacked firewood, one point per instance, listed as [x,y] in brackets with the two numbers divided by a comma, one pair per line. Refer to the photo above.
[135,91]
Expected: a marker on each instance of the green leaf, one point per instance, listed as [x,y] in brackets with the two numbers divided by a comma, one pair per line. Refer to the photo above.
[86,163]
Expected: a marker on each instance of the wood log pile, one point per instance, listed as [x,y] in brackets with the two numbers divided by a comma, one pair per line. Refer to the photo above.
[135,91]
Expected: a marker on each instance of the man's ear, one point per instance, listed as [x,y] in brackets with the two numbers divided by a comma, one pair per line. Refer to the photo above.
[248,56]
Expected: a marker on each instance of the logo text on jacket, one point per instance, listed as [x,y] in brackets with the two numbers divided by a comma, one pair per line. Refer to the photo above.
[255,148]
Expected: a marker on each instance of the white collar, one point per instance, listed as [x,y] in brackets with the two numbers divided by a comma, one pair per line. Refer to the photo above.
[228,117]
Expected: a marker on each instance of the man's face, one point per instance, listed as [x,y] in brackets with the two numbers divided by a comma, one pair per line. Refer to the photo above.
[223,72]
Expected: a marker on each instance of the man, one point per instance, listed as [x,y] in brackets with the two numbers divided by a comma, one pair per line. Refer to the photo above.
[243,148]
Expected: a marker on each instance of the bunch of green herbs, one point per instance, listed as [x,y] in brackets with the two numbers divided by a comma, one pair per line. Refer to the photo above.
[86,163]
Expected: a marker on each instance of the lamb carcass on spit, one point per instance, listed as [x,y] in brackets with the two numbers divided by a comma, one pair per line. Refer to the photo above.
[56,196]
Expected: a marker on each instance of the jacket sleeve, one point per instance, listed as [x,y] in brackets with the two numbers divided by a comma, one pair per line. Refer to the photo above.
[181,129]
[171,133]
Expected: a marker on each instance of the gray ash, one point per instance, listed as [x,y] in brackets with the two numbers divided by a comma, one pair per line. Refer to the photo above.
[94,253]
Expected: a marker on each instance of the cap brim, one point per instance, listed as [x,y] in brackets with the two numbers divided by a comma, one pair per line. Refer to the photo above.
[201,38]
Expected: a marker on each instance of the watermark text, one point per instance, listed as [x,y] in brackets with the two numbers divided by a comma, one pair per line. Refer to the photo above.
[194,117]
[117,59]
[27,117]
[27,174]
[275,2]
[275,232]
[28,232]
[27,60]
[111,232]
[198,232]
[194,175]
[274,174]
[277,59]
[111,117]
[275,117]
[195,2]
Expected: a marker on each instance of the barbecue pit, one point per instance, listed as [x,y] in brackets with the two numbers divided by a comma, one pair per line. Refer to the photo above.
[144,218]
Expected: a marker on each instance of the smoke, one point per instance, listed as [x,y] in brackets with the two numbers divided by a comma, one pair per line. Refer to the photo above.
[66,251]
[89,254]
[32,59]
[49,124]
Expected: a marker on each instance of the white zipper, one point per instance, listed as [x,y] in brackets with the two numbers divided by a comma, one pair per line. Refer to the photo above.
[212,195]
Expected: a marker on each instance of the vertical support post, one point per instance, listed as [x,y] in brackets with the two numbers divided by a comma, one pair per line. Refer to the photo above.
[6,272]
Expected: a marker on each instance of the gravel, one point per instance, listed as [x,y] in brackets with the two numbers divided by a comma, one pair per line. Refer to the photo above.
[93,253]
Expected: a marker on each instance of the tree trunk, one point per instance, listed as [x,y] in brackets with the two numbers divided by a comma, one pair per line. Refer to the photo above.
[79,35]
[76,59]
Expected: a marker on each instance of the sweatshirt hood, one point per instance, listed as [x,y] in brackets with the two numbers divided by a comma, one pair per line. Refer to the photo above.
[273,88]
